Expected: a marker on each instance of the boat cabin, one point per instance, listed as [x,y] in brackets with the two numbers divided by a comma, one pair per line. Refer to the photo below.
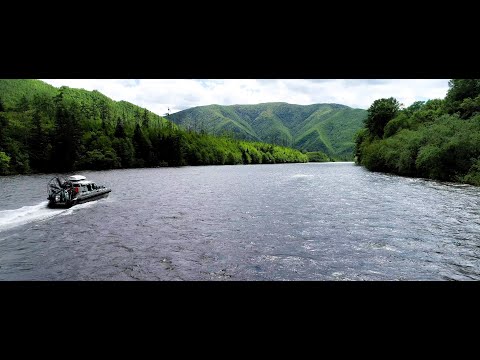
[82,185]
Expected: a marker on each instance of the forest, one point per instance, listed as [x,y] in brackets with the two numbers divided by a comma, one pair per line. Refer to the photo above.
[436,139]
[47,129]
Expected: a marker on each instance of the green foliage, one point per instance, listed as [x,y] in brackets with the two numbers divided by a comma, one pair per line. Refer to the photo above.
[372,157]
[328,128]
[203,149]
[125,151]
[317,156]
[470,107]
[99,160]
[142,146]
[439,139]
[429,162]
[120,130]
[3,130]
[473,175]
[39,146]
[20,161]
[402,121]
[417,105]
[4,163]
[427,113]
[361,138]
[67,134]
[379,114]
[45,129]
[459,91]
[12,90]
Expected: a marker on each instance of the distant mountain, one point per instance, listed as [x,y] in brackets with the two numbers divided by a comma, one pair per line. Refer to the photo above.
[329,128]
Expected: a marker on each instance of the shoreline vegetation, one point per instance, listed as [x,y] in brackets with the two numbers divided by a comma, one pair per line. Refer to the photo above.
[44,129]
[438,139]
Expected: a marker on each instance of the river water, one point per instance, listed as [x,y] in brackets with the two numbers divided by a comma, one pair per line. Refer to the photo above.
[316,221]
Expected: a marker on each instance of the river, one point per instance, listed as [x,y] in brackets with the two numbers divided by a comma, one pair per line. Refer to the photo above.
[314,221]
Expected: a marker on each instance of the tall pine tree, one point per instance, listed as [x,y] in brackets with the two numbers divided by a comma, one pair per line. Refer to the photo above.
[39,145]
[67,136]
[145,121]
[142,146]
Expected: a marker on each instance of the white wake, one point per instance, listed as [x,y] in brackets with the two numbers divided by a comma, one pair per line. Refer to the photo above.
[27,214]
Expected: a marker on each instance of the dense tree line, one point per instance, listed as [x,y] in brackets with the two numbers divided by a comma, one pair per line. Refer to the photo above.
[318,156]
[70,129]
[437,139]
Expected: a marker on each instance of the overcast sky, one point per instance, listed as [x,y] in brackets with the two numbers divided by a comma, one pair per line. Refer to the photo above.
[178,94]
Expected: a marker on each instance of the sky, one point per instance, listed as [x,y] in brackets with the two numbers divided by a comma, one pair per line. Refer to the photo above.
[160,95]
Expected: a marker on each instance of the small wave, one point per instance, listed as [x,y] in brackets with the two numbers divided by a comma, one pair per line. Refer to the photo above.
[389,248]
[78,207]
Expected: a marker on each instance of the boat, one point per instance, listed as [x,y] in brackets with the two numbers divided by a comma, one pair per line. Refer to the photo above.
[76,189]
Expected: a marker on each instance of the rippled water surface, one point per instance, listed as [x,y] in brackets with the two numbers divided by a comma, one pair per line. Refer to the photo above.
[330,221]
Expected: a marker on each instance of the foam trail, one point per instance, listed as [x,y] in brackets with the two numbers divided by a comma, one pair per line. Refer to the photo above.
[26,214]
[302,176]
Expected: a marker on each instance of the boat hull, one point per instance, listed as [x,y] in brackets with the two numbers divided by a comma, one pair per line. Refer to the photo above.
[79,200]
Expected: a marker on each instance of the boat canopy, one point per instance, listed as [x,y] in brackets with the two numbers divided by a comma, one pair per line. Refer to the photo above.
[83,182]
[77,178]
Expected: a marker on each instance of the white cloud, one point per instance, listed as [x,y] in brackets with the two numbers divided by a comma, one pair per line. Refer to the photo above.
[158,95]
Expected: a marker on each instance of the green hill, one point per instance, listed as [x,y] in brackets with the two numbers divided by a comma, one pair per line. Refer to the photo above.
[24,94]
[13,91]
[49,129]
[329,128]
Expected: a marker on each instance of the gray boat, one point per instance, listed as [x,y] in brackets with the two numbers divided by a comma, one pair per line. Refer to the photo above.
[76,189]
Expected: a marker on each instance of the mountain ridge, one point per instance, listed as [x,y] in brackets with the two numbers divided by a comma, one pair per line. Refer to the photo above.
[326,127]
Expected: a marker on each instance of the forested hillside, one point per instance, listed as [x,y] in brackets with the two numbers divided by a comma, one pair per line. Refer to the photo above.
[45,129]
[329,128]
[437,139]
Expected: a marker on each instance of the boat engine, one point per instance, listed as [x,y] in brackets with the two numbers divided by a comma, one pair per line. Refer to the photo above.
[59,190]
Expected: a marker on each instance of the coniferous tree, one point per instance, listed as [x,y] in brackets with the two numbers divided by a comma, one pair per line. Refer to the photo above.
[3,128]
[141,145]
[138,117]
[3,124]
[39,146]
[23,104]
[145,122]
[120,129]
[104,114]
[67,136]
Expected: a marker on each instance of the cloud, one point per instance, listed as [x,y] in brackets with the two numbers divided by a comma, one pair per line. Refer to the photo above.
[131,82]
[158,95]
[363,82]
[320,81]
